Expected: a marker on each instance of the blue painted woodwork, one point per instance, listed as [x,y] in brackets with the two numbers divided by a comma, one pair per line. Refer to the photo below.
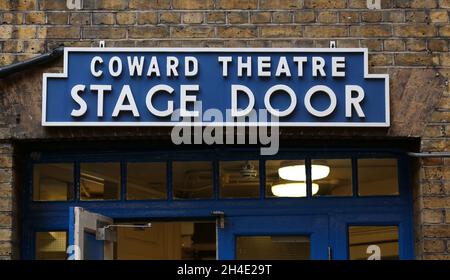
[262,216]
[93,249]
[313,226]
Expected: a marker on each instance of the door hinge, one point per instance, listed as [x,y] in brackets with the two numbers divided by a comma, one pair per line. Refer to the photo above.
[330,253]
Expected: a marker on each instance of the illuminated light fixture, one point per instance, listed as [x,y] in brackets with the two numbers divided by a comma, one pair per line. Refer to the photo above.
[298,172]
[293,189]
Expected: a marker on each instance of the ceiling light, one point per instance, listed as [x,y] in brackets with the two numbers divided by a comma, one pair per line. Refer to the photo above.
[297,172]
[293,190]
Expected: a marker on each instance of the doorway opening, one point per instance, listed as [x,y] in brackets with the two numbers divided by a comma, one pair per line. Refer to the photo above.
[167,240]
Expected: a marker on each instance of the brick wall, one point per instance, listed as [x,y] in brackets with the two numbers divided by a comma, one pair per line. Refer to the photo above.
[6,201]
[434,200]
[409,39]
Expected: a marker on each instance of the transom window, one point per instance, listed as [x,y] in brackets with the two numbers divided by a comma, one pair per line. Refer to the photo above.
[237,179]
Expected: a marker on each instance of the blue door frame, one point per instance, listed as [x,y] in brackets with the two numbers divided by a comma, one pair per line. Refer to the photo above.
[313,226]
[337,213]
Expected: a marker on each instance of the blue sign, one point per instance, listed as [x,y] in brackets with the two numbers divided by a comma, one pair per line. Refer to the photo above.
[163,87]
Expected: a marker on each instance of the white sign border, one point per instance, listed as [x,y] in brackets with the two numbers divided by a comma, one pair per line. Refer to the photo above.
[64,74]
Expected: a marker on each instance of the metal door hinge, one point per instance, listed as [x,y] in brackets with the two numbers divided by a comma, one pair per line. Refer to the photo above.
[330,253]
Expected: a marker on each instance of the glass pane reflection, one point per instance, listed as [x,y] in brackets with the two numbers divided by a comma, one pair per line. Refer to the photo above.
[377,177]
[276,186]
[192,179]
[51,245]
[239,179]
[273,248]
[99,181]
[53,182]
[336,182]
[146,180]
[373,242]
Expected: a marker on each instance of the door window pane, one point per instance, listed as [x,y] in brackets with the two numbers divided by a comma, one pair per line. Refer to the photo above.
[377,177]
[332,177]
[146,180]
[273,248]
[373,242]
[192,179]
[285,178]
[99,181]
[53,182]
[51,245]
[239,179]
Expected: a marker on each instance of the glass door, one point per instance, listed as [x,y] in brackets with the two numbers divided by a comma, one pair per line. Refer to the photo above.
[274,238]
